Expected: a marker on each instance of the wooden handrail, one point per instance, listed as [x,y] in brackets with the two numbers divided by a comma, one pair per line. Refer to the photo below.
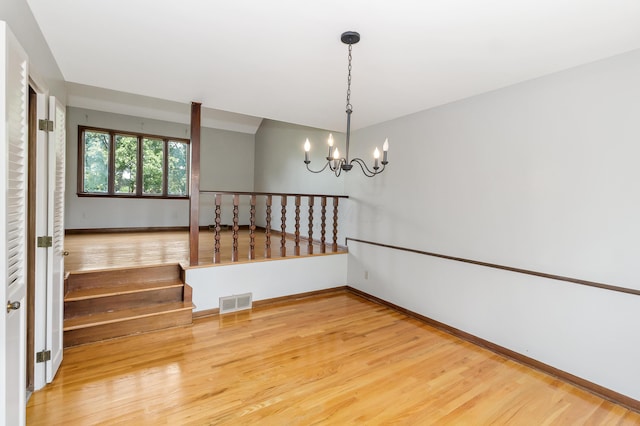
[287,194]
[505,268]
[296,207]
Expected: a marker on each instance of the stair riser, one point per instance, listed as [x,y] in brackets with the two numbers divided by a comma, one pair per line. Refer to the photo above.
[120,277]
[120,302]
[126,328]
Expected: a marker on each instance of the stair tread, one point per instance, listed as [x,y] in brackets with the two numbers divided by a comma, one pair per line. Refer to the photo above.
[128,270]
[123,315]
[135,287]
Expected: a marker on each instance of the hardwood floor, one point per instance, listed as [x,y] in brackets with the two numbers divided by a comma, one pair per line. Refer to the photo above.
[333,359]
[125,249]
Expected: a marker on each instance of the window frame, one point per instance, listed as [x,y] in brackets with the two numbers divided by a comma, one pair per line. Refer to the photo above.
[111,193]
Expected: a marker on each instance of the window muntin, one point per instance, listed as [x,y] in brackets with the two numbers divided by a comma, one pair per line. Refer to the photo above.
[124,164]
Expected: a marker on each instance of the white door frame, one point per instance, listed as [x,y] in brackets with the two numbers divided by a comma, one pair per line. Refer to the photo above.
[56,253]
[42,170]
[49,275]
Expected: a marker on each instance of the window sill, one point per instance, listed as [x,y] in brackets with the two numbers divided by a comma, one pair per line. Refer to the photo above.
[135,197]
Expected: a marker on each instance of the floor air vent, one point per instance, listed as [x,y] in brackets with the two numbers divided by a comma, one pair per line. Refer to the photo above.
[235,303]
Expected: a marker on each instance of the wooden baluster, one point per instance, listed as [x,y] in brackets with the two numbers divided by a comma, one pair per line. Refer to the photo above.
[283,226]
[323,224]
[334,246]
[252,228]
[234,252]
[296,250]
[216,246]
[310,245]
[267,230]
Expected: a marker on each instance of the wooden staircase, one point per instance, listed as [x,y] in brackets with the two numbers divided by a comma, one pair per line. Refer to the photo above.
[100,305]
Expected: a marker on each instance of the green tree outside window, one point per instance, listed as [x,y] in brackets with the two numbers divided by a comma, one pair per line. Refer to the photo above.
[96,162]
[143,165]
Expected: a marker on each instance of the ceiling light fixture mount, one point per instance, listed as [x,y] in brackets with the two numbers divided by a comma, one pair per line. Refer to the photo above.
[336,163]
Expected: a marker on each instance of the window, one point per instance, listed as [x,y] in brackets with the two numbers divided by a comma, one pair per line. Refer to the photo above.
[125,164]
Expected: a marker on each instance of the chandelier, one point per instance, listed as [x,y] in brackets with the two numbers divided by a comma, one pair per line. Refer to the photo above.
[335,163]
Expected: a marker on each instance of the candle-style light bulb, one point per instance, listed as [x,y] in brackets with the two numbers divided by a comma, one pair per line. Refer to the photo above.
[307,148]
[330,141]
[385,150]
[336,157]
[376,155]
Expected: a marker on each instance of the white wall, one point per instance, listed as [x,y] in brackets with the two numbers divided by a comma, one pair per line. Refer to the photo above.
[266,280]
[585,331]
[542,175]
[226,163]
[43,69]
[280,160]
[280,168]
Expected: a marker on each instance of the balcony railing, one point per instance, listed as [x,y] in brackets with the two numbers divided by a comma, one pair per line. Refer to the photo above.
[259,209]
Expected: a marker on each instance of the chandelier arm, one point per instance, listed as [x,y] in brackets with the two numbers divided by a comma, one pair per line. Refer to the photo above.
[317,171]
[367,172]
[377,172]
[335,165]
[337,170]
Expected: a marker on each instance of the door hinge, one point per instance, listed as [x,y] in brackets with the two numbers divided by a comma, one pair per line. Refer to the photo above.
[43,356]
[46,125]
[45,242]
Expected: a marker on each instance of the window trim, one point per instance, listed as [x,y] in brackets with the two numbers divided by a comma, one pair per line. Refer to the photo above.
[139,174]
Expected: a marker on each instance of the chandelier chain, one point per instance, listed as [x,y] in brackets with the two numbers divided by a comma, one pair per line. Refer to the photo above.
[349,106]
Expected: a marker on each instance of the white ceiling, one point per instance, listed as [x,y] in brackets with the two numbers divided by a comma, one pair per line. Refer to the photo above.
[283,59]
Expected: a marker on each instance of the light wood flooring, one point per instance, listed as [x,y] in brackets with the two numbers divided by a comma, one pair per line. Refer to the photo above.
[128,249]
[333,359]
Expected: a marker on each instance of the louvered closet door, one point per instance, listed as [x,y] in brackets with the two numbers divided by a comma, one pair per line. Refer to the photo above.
[55,284]
[13,221]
